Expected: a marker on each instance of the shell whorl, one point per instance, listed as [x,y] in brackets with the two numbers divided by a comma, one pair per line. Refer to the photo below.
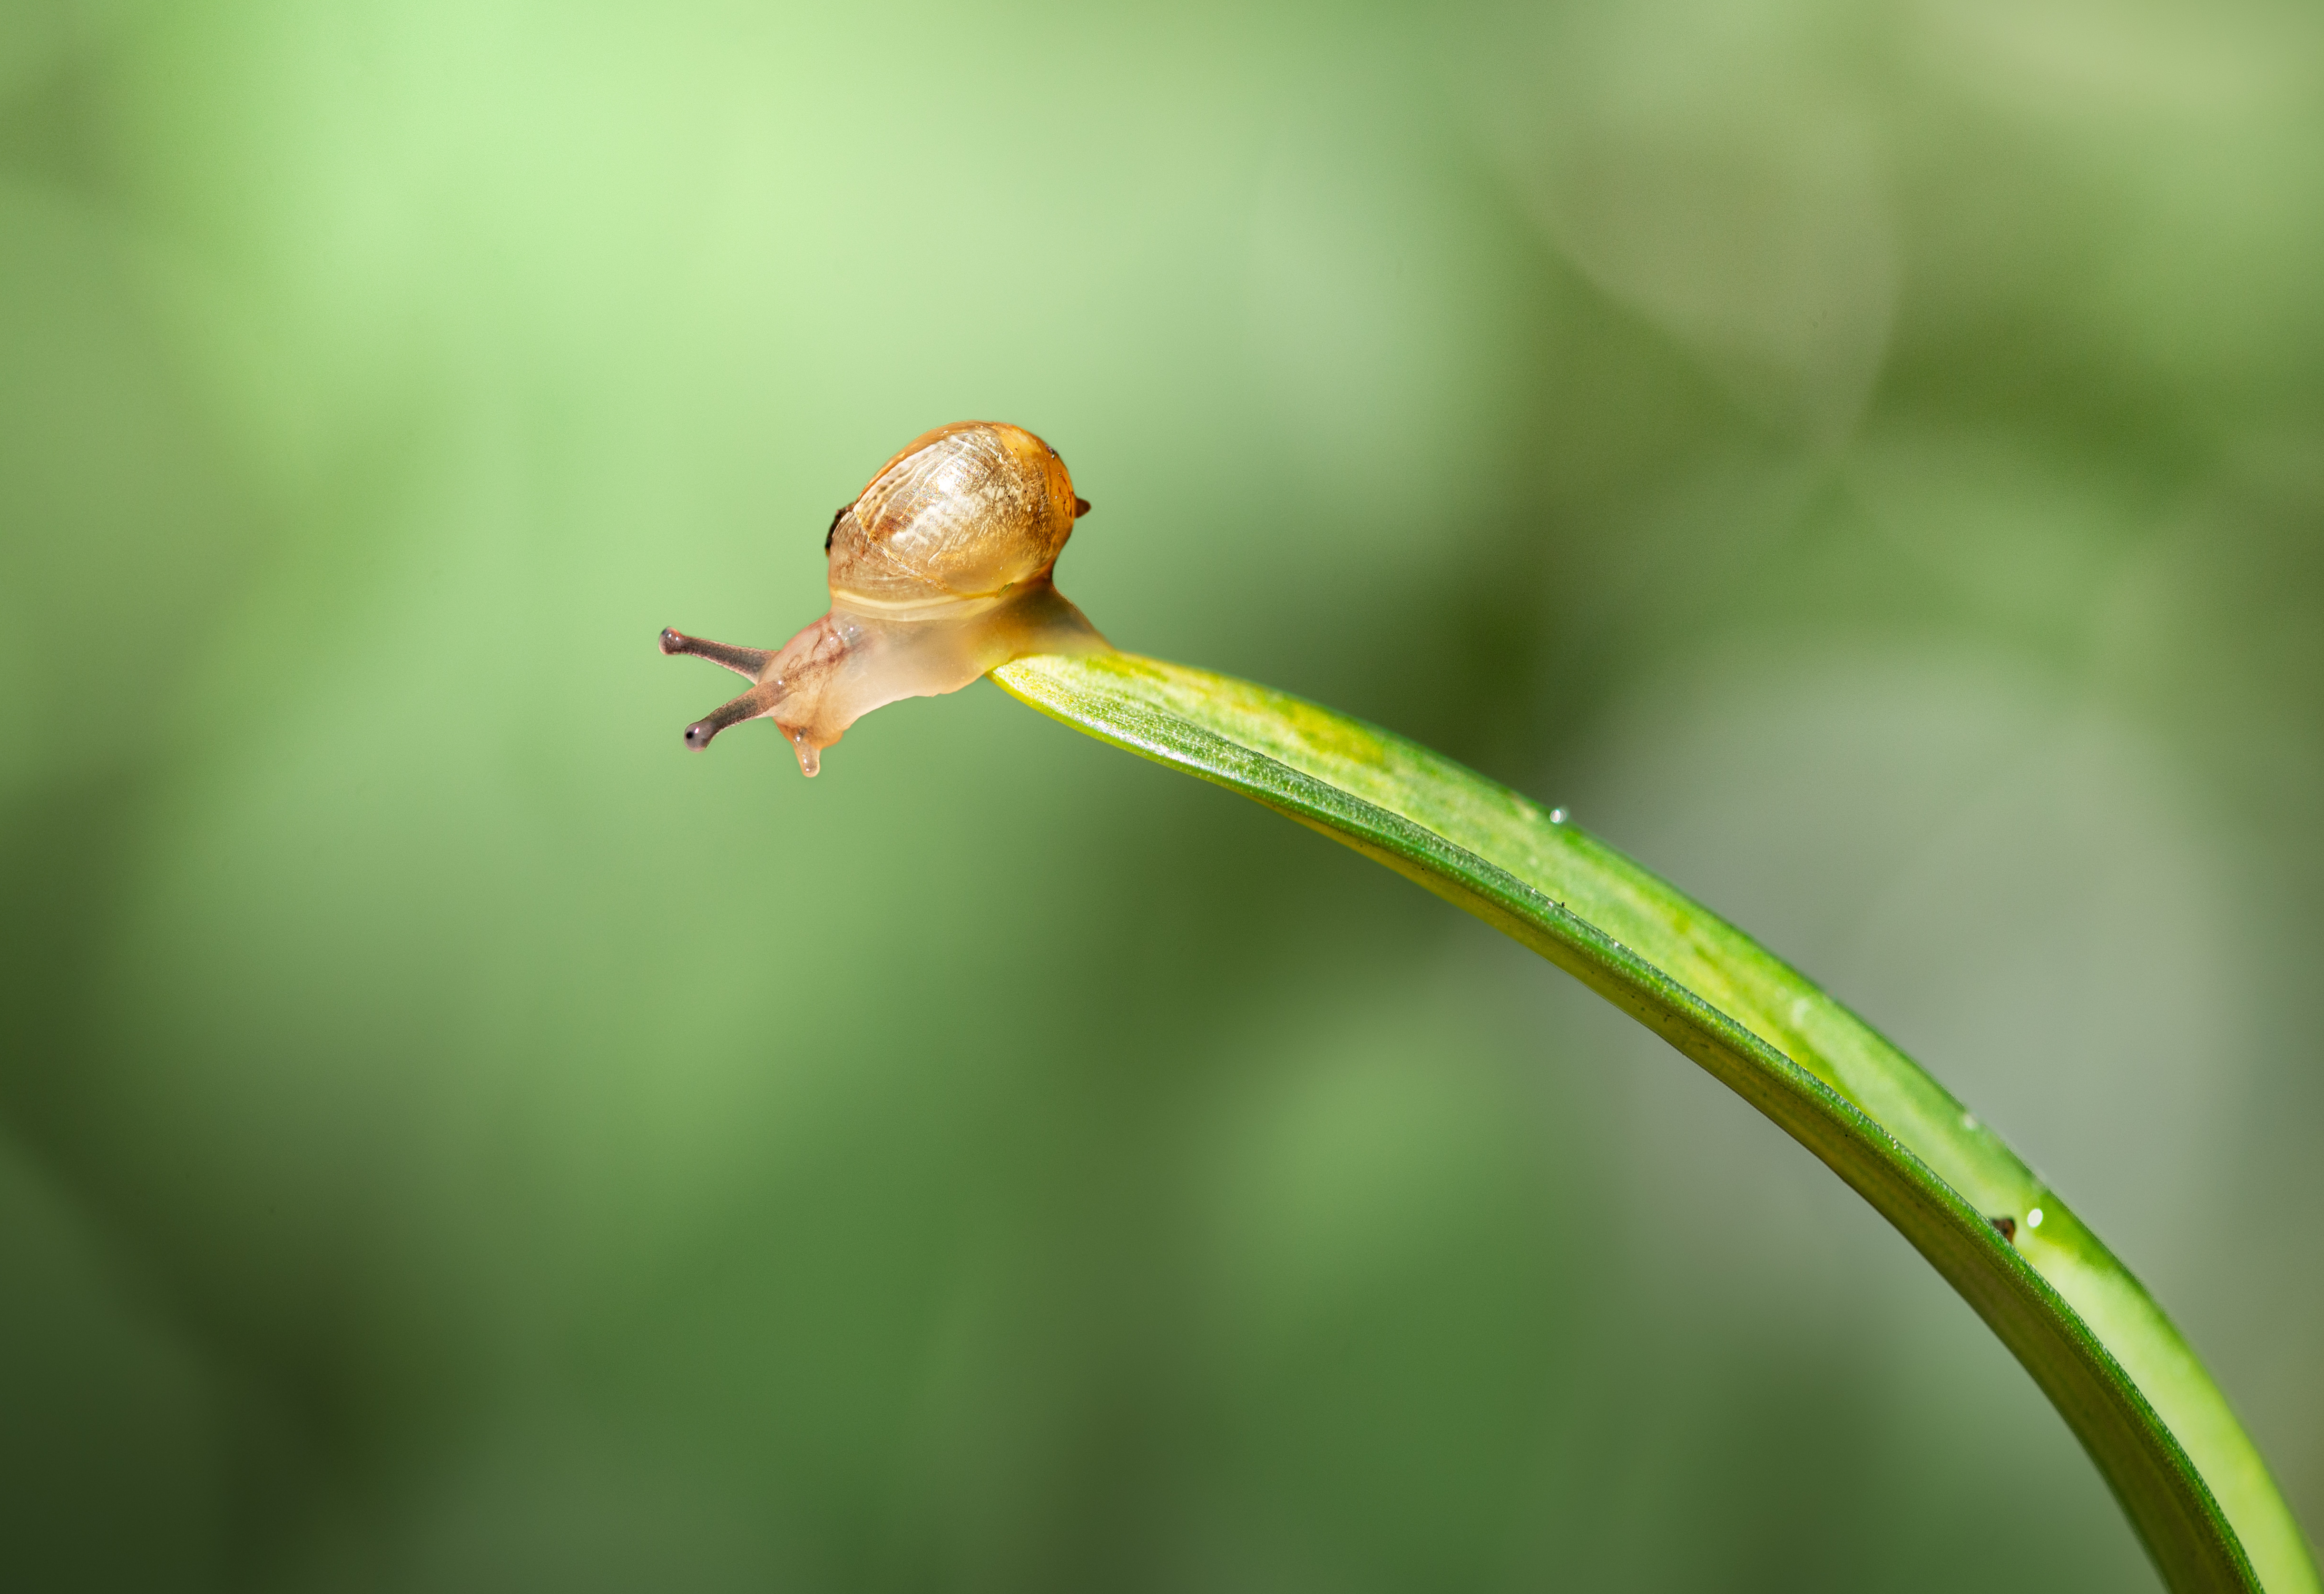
[963,512]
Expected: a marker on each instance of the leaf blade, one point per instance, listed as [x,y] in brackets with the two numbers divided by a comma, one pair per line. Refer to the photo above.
[2128,1384]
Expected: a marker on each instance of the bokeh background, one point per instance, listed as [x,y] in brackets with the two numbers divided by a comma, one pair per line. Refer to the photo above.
[1866,460]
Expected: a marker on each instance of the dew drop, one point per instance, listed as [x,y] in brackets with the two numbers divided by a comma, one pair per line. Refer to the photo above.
[1557,816]
[1969,1120]
[2033,1219]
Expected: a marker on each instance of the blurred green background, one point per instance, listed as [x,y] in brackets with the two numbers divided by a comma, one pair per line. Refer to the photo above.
[1866,460]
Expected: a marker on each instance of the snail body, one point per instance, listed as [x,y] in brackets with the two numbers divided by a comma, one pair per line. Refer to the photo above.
[939,571]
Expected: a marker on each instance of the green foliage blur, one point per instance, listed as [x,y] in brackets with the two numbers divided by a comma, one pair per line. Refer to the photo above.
[1867,461]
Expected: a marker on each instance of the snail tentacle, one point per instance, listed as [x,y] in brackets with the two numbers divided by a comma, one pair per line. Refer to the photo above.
[750,663]
[758,700]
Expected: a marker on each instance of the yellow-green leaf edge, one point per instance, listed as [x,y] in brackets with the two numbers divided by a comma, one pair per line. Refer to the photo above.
[2127,1383]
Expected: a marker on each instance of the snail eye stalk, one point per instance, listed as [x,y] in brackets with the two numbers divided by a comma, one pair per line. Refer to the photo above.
[748,662]
[759,699]
[751,663]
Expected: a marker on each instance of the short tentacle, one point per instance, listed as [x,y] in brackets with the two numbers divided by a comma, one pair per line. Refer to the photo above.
[758,700]
[747,662]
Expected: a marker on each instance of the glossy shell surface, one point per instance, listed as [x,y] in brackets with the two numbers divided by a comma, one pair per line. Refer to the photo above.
[966,512]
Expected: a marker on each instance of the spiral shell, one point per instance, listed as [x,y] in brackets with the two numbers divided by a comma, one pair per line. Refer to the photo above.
[968,510]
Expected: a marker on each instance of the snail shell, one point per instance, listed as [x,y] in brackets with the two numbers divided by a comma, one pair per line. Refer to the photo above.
[965,512]
[939,571]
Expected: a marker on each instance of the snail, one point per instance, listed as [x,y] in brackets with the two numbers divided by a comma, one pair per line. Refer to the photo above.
[939,572]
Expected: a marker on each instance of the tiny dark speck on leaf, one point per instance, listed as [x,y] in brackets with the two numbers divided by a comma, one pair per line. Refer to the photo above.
[2005,1227]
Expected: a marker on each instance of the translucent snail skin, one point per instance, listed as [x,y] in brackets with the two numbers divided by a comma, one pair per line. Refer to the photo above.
[939,572]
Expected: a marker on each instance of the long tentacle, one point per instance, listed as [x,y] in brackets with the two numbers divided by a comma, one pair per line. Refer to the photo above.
[759,699]
[746,662]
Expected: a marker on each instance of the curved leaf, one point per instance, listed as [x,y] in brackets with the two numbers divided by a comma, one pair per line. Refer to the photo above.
[2101,1350]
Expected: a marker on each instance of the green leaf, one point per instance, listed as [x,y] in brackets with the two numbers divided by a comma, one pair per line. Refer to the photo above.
[2101,1350]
